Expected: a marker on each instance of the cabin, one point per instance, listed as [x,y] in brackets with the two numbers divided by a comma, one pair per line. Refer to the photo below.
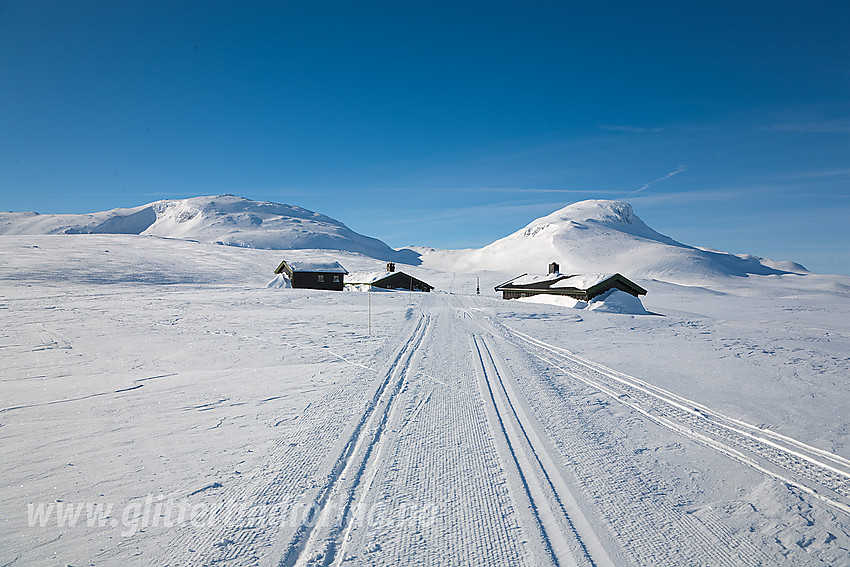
[314,275]
[583,287]
[389,279]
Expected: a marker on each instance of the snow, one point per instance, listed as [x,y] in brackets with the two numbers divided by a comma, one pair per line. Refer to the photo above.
[366,277]
[527,279]
[151,375]
[616,301]
[220,219]
[367,288]
[332,266]
[559,300]
[280,281]
[582,281]
[612,301]
[599,236]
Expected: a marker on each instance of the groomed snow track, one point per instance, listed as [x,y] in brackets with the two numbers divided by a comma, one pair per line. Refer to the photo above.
[321,538]
[822,474]
[566,536]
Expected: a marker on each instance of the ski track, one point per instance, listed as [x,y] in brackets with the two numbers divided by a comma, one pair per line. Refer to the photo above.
[318,542]
[648,519]
[268,512]
[810,469]
[561,540]
[784,458]
[402,498]
[390,459]
[434,492]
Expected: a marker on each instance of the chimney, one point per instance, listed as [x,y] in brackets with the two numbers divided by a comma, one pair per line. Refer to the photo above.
[390,266]
[554,268]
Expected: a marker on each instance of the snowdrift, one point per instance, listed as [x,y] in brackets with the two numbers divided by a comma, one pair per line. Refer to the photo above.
[616,301]
[279,282]
[612,301]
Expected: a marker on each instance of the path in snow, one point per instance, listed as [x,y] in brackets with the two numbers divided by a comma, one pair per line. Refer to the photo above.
[572,502]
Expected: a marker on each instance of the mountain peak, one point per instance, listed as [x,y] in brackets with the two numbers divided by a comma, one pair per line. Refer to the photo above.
[220,219]
[602,236]
[597,214]
[597,210]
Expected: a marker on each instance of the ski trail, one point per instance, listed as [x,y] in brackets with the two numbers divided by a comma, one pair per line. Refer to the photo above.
[318,540]
[742,427]
[821,474]
[361,492]
[567,536]
[651,532]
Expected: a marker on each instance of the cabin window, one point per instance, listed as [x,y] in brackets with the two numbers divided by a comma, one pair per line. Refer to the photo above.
[320,278]
[336,279]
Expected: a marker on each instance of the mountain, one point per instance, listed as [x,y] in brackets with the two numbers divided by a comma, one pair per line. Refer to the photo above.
[601,236]
[593,236]
[221,219]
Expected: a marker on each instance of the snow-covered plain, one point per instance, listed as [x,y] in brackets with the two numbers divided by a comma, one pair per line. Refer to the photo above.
[223,422]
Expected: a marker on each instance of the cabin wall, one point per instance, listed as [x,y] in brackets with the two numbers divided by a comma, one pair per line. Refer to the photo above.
[531,293]
[310,280]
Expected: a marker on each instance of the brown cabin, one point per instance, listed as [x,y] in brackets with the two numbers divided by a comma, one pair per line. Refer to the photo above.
[578,286]
[391,279]
[314,275]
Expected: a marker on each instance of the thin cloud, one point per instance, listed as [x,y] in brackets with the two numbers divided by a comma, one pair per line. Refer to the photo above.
[488,210]
[631,129]
[528,190]
[679,170]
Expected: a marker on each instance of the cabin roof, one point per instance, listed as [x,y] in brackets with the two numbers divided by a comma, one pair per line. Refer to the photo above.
[368,277]
[376,277]
[564,282]
[323,267]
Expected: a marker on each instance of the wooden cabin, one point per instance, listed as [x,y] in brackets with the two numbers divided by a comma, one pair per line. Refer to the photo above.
[314,275]
[578,286]
[389,279]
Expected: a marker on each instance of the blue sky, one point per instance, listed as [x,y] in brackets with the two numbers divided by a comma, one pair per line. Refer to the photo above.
[448,124]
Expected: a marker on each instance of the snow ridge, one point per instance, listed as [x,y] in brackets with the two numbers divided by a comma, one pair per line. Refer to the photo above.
[600,236]
[221,219]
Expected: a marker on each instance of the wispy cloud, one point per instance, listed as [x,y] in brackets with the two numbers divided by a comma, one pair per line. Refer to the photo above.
[631,129]
[688,197]
[522,190]
[646,186]
[478,211]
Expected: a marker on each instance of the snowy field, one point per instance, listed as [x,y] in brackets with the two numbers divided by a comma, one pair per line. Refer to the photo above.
[160,406]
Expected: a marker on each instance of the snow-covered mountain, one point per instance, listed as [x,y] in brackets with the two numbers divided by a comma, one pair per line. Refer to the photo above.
[222,219]
[601,236]
[593,236]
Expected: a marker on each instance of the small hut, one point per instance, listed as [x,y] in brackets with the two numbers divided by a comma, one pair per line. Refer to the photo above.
[389,279]
[314,275]
[578,286]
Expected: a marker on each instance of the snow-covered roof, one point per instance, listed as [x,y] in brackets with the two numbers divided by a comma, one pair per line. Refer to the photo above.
[557,281]
[367,277]
[317,266]
[527,279]
[581,281]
